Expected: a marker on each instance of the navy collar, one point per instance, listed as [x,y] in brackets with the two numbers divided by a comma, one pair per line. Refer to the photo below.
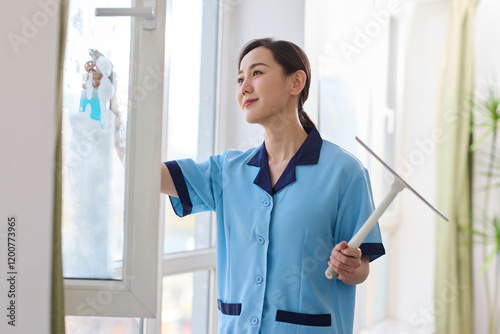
[308,154]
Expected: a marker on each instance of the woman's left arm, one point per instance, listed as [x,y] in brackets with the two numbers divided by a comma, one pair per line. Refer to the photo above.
[352,266]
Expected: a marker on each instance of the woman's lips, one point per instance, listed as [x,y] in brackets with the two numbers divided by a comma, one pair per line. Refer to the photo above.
[248,102]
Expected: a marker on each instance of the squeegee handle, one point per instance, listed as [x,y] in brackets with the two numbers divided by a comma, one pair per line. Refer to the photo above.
[358,238]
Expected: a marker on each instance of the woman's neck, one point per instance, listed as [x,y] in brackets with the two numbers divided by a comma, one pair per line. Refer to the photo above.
[284,140]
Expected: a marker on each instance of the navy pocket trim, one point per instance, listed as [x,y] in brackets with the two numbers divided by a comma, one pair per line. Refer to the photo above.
[229,309]
[320,320]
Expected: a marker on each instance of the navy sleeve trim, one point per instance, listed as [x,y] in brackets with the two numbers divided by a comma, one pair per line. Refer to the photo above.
[319,320]
[229,309]
[375,250]
[180,186]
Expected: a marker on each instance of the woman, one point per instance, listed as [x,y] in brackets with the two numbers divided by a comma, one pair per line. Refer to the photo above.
[284,209]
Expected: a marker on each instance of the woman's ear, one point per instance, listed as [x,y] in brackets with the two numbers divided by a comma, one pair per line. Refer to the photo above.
[298,82]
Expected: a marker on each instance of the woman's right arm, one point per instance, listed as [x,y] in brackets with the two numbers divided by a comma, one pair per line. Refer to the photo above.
[167,184]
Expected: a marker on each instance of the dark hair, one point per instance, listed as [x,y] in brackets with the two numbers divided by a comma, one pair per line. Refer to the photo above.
[292,58]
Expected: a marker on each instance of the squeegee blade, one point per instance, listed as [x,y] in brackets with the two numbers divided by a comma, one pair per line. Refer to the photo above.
[401,179]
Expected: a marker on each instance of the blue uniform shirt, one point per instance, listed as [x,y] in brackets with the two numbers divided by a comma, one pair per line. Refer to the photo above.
[273,243]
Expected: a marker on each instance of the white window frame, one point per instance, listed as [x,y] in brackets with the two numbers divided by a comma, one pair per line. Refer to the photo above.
[203,259]
[135,295]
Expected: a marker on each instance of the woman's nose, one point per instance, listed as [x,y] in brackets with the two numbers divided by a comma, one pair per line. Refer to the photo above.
[245,87]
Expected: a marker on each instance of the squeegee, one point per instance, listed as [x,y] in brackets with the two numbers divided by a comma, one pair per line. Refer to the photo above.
[397,186]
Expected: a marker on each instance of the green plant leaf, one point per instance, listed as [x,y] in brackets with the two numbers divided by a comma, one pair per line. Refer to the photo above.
[486,115]
[489,259]
[489,236]
[474,231]
[479,141]
[496,226]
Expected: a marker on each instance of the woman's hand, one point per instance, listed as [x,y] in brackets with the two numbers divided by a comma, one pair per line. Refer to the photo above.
[349,263]
[90,67]
[91,71]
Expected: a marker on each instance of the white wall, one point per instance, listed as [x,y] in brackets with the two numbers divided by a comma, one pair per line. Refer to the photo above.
[243,21]
[27,135]
[415,255]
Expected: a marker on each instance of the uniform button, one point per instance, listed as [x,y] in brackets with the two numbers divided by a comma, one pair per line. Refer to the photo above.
[254,321]
[266,203]
[258,279]
[261,240]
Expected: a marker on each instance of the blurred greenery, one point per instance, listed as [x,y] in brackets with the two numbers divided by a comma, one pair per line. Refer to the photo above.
[486,225]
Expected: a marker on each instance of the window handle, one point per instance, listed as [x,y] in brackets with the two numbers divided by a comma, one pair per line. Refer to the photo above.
[148,13]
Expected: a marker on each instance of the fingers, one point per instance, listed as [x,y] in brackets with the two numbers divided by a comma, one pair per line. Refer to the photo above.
[345,260]
[90,66]
[97,76]
[95,83]
[340,246]
[352,252]
[345,250]
[96,79]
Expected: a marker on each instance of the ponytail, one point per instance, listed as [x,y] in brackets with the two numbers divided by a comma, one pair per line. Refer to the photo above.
[304,119]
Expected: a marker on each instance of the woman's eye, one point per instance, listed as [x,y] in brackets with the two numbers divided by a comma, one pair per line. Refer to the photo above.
[240,80]
[256,72]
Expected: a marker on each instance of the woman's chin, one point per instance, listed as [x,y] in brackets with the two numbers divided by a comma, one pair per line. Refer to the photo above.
[250,118]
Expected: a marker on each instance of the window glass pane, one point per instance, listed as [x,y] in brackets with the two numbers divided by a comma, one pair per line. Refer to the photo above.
[185,303]
[184,45]
[93,142]
[103,325]
[382,280]
[356,97]
[185,122]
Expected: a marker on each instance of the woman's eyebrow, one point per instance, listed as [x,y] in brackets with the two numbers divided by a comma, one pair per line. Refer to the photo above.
[252,66]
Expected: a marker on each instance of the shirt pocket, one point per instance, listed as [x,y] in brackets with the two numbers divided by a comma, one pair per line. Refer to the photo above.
[305,319]
[229,308]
